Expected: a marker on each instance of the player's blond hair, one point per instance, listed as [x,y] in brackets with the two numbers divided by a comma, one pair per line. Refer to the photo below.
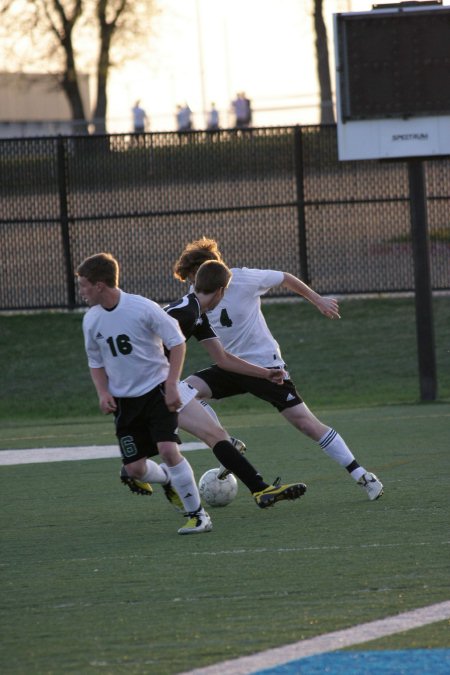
[193,255]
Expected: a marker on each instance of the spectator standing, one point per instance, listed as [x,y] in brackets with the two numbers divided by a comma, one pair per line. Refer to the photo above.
[213,118]
[242,111]
[140,118]
[249,110]
[184,118]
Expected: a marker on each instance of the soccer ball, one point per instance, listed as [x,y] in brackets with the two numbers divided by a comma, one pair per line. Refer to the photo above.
[217,492]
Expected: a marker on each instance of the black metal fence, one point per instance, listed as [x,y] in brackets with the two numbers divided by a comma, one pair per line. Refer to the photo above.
[273,198]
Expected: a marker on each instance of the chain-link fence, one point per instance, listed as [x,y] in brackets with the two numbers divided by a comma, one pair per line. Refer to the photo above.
[273,198]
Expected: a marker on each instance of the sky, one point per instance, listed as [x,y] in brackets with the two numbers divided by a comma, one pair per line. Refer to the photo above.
[207,50]
[202,51]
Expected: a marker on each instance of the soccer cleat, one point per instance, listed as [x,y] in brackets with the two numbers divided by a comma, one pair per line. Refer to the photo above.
[278,492]
[240,447]
[198,522]
[174,498]
[136,486]
[372,485]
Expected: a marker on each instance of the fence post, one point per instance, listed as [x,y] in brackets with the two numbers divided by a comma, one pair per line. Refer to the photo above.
[301,220]
[64,219]
[422,280]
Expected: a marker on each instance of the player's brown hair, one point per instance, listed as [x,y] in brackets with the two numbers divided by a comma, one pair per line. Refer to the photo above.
[193,255]
[100,267]
[211,275]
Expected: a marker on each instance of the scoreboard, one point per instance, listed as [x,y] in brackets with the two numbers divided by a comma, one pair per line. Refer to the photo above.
[393,81]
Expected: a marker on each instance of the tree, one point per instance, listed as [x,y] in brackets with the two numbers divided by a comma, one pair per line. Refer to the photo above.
[323,65]
[67,37]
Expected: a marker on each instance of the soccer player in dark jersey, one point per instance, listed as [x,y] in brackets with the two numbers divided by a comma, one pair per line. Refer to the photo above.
[239,323]
[124,336]
[190,312]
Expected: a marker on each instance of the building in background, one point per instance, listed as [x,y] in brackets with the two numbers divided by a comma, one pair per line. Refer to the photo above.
[32,104]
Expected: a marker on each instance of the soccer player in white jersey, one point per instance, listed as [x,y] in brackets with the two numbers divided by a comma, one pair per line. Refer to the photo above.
[124,338]
[190,311]
[241,327]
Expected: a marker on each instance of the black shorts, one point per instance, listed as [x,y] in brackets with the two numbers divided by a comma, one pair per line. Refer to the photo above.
[142,422]
[224,383]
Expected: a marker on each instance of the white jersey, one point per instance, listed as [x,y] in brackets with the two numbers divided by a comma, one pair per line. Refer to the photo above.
[239,321]
[127,342]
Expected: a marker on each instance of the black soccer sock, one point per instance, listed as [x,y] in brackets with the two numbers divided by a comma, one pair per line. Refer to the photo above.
[232,460]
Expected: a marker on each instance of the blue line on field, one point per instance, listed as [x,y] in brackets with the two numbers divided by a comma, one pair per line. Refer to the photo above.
[395,662]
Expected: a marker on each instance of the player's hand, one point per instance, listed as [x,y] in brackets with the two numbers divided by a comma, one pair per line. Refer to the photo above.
[107,403]
[329,307]
[173,398]
[276,375]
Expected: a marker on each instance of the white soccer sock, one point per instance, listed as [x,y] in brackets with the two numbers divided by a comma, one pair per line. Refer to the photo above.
[183,481]
[336,448]
[154,473]
[209,410]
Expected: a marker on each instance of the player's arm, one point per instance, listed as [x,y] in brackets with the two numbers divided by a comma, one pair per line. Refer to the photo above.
[106,399]
[176,361]
[169,331]
[228,361]
[329,307]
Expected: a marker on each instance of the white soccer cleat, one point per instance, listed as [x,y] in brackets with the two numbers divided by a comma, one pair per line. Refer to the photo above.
[197,522]
[372,485]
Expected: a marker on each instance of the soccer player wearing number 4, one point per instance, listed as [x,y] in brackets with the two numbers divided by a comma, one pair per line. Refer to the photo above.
[190,311]
[124,336]
[240,325]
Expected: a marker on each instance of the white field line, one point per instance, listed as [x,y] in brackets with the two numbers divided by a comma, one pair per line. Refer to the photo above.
[329,642]
[44,455]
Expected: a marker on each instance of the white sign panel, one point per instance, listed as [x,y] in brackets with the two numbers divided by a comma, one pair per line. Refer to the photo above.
[391,138]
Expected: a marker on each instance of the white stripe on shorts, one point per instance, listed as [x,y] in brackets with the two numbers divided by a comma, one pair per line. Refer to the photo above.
[187,393]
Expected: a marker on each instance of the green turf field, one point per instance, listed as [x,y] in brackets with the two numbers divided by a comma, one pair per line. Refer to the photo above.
[96,580]
[367,358]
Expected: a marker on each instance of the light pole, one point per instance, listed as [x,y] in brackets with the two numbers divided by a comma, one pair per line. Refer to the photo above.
[200,59]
